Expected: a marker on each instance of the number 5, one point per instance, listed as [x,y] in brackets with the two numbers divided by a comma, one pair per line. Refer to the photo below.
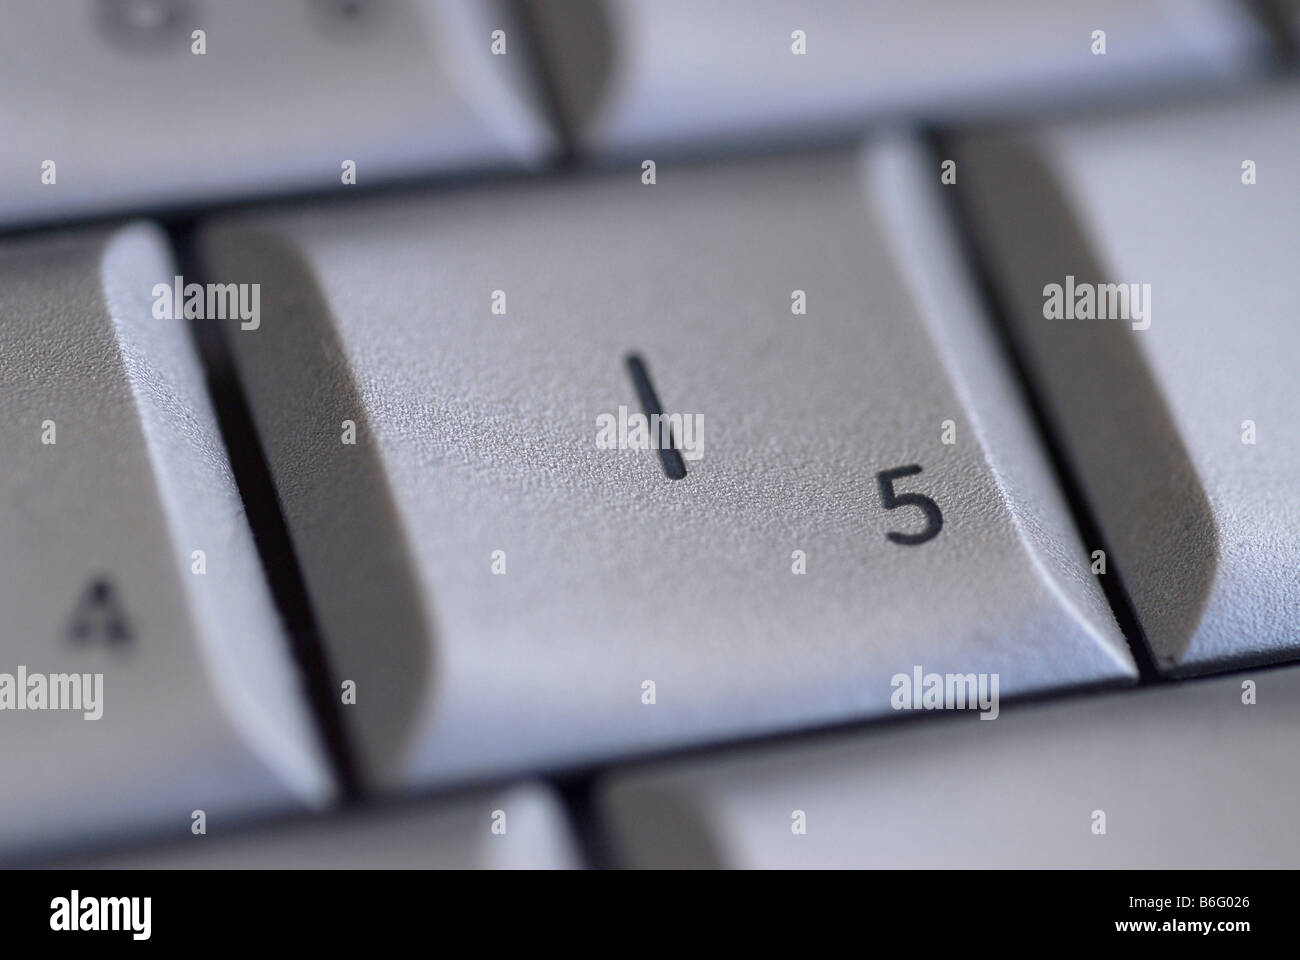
[891,500]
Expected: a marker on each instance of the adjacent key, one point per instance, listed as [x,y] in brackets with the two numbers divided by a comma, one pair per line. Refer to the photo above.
[1197,775]
[512,575]
[144,676]
[1143,263]
[129,104]
[516,828]
[656,75]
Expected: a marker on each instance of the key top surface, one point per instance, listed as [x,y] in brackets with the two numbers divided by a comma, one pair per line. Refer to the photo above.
[281,97]
[114,476]
[511,828]
[1182,776]
[655,74]
[1181,422]
[504,591]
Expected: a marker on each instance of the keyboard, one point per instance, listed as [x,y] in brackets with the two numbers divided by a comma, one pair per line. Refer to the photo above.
[545,434]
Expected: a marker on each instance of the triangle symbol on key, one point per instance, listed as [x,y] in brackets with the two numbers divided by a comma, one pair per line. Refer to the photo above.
[99,616]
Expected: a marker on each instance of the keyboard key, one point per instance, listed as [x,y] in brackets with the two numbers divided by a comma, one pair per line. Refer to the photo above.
[1182,776]
[109,105]
[517,828]
[143,672]
[513,580]
[651,75]
[1143,265]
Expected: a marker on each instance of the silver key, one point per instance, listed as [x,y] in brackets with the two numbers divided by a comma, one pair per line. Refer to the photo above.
[132,594]
[1176,389]
[284,96]
[505,593]
[515,828]
[651,75]
[1182,776]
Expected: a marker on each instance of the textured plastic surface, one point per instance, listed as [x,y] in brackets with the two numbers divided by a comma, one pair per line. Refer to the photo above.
[201,703]
[112,93]
[521,827]
[476,432]
[1187,776]
[653,75]
[1205,527]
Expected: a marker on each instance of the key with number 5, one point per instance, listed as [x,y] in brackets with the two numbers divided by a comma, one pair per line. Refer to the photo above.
[465,398]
